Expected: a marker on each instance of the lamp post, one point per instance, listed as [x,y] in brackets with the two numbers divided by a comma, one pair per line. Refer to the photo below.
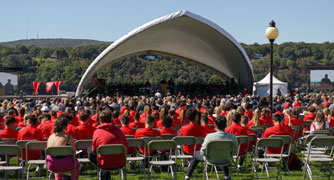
[271,34]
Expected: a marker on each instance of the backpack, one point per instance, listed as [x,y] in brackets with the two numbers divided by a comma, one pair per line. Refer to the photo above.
[294,162]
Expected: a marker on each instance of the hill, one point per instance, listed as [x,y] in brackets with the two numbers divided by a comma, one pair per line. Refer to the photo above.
[53,42]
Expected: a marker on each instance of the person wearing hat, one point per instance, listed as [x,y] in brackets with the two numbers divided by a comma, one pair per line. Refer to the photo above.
[45,110]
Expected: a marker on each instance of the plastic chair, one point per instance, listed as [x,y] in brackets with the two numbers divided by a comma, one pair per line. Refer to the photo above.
[163,145]
[268,143]
[319,141]
[168,136]
[287,140]
[241,140]
[34,145]
[8,150]
[61,151]
[82,145]
[112,149]
[137,142]
[215,153]
[129,136]
[9,140]
[326,132]
[184,140]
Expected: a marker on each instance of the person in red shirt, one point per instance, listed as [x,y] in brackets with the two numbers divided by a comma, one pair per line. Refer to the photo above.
[46,126]
[248,111]
[192,129]
[309,116]
[9,131]
[11,113]
[292,119]
[85,131]
[132,113]
[137,124]
[330,118]
[71,129]
[277,129]
[237,130]
[147,112]
[20,117]
[30,132]
[125,126]
[243,123]
[167,123]
[107,133]
[204,124]
[148,131]
[53,115]
[75,120]
[256,119]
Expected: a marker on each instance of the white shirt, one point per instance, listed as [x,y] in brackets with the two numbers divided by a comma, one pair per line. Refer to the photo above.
[316,124]
[158,95]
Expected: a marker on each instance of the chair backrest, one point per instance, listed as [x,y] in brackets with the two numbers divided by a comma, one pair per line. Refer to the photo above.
[9,140]
[168,136]
[296,128]
[311,136]
[242,139]
[322,141]
[286,138]
[185,140]
[257,130]
[161,145]
[110,149]
[10,150]
[327,132]
[270,142]
[217,151]
[83,144]
[148,139]
[199,140]
[36,145]
[308,123]
[135,142]
[58,151]
[129,136]
[252,137]
[23,143]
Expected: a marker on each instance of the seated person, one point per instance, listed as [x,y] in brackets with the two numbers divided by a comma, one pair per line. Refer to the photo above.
[148,131]
[220,124]
[46,126]
[107,133]
[85,130]
[137,124]
[71,129]
[319,122]
[309,115]
[30,132]
[192,129]
[256,121]
[243,123]
[60,138]
[204,124]
[167,123]
[9,131]
[125,126]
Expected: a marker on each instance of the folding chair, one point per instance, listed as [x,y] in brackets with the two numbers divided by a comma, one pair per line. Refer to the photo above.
[82,145]
[9,140]
[326,132]
[252,138]
[8,150]
[137,143]
[184,140]
[61,151]
[241,141]
[319,141]
[268,143]
[129,136]
[35,145]
[169,145]
[287,140]
[216,153]
[258,130]
[112,149]
[168,136]
[22,145]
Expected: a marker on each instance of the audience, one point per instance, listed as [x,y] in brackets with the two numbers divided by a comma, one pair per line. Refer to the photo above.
[9,131]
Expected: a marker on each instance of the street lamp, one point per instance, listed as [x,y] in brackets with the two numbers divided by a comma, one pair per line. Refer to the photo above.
[272,34]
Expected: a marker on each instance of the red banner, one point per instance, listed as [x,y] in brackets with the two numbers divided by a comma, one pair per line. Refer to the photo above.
[57,83]
[36,86]
[49,86]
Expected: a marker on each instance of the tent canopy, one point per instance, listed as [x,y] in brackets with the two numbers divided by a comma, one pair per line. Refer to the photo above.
[262,88]
[185,36]
[266,81]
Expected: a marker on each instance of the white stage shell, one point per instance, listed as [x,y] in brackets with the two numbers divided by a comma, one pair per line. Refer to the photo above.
[185,36]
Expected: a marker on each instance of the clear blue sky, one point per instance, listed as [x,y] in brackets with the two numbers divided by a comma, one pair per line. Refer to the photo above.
[108,20]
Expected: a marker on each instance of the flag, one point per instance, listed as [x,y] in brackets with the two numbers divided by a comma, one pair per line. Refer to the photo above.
[57,85]
[36,86]
[49,86]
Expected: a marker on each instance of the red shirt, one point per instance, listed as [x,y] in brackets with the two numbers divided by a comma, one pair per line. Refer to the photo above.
[72,130]
[146,132]
[20,118]
[331,124]
[238,130]
[132,116]
[127,130]
[30,133]
[248,113]
[211,119]
[143,117]
[192,129]
[309,117]
[278,129]
[107,133]
[268,120]
[8,133]
[75,121]
[251,123]
[168,131]
[137,125]
[208,129]
[46,129]
[296,104]
[2,122]
[85,131]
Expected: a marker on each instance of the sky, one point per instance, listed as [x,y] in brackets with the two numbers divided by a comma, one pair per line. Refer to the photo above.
[108,20]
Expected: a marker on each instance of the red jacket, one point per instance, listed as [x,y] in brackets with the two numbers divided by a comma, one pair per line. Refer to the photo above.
[30,133]
[168,131]
[8,133]
[192,129]
[2,123]
[46,129]
[146,132]
[279,129]
[107,133]
[85,131]
[128,131]
[137,125]
[248,113]
[309,117]
[208,129]
[238,130]
[72,130]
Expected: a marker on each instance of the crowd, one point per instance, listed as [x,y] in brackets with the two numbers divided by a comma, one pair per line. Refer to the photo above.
[108,120]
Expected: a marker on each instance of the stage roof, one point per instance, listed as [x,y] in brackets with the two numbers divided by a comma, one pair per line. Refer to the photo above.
[183,35]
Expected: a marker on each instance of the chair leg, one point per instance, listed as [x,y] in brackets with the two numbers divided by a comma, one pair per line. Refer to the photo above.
[304,171]
[28,171]
[150,171]
[216,172]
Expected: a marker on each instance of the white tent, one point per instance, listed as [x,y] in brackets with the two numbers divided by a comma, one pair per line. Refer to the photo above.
[262,88]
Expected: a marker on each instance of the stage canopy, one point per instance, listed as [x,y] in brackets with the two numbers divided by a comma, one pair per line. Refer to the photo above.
[185,36]
[262,88]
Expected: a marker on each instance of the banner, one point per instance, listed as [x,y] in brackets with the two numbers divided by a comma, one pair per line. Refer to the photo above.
[57,85]
[36,86]
[49,86]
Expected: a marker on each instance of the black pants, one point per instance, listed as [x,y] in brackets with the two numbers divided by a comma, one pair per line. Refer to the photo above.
[105,175]
[199,158]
